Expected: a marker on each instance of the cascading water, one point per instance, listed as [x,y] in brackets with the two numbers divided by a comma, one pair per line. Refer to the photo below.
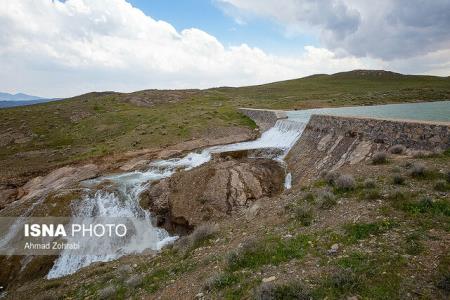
[119,197]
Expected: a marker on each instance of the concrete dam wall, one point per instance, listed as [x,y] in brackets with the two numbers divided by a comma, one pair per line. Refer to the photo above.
[330,142]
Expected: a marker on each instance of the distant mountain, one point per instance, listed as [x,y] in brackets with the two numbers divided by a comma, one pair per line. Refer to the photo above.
[18,97]
[21,99]
[14,103]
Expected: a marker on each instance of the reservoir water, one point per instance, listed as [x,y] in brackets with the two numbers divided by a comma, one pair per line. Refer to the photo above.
[425,111]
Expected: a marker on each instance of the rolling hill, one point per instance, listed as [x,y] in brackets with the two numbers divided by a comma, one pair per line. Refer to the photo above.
[46,135]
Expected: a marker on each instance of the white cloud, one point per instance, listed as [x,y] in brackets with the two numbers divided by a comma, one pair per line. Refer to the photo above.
[384,29]
[54,48]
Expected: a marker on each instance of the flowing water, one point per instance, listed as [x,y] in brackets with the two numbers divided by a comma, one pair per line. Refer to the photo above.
[117,196]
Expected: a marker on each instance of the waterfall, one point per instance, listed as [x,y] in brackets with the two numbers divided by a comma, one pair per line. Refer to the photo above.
[120,198]
[117,196]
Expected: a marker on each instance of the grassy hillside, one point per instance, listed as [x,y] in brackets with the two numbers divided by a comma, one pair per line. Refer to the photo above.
[47,135]
[341,89]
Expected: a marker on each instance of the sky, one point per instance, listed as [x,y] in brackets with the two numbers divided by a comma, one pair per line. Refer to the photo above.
[54,48]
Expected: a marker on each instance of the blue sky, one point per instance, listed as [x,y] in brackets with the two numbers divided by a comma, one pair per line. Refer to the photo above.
[209,16]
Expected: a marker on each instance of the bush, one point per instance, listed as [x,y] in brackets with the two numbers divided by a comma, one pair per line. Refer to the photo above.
[396,169]
[441,186]
[379,158]
[331,177]
[345,183]
[398,179]
[271,291]
[369,183]
[343,280]
[309,197]
[327,200]
[418,170]
[220,281]
[304,214]
[397,149]
[203,232]
[372,194]
[421,154]
[200,234]
[448,176]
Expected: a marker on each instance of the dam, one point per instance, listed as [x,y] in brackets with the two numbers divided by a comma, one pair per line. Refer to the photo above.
[334,137]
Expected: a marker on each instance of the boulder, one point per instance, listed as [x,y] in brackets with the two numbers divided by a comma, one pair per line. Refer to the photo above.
[211,191]
[61,178]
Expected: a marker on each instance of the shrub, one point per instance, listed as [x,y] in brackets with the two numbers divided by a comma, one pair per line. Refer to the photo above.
[441,186]
[203,232]
[304,214]
[379,158]
[271,291]
[396,169]
[309,197]
[413,245]
[417,170]
[372,194]
[398,179]
[345,183]
[331,177]
[420,154]
[448,176]
[343,280]
[200,234]
[327,200]
[220,281]
[397,149]
[369,183]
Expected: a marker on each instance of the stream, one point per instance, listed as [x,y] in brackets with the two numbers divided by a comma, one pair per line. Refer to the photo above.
[117,196]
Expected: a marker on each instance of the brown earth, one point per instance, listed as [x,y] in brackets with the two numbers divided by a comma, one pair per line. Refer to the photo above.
[406,258]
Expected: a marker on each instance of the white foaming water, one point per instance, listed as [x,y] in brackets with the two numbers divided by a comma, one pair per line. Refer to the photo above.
[119,197]
[282,135]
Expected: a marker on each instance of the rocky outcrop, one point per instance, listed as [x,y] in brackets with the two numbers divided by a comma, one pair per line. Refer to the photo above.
[214,190]
[264,118]
[57,180]
[60,181]
[329,142]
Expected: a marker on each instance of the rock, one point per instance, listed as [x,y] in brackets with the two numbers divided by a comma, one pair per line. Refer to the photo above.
[214,190]
[334,249]
[269,279]
[134,164]
[253,211]
[7,196]
[199,296]
[58,179]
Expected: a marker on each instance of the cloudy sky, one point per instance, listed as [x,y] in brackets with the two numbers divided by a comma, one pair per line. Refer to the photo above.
[64,48]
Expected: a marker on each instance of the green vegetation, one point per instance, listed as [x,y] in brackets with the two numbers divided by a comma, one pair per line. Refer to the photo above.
[360,231]
[380,158]
[304,214]
[273,250]
[99,124]
[374,276]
